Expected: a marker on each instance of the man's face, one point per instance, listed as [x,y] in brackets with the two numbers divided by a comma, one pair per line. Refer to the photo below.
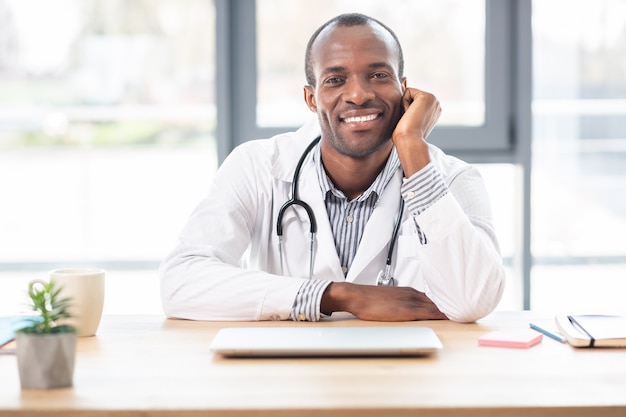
[358,92]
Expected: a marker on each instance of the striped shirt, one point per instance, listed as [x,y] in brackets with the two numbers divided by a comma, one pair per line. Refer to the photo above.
[348,220]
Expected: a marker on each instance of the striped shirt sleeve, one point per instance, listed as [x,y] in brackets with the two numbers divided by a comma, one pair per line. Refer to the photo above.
[306,307]
[422,190]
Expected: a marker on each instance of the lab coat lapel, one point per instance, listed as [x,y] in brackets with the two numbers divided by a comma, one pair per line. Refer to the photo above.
[377,234]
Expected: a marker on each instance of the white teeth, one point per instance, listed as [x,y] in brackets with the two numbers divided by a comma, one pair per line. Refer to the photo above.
[360,119]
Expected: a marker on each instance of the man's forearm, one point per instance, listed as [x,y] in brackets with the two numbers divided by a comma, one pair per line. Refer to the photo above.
[369,302]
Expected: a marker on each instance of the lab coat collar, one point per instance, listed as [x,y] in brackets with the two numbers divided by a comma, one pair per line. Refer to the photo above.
[289,149]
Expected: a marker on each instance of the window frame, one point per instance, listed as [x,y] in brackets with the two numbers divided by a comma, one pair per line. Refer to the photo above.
[505,137]
[237,88]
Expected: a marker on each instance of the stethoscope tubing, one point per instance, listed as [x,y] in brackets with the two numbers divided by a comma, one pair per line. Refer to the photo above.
[384,277]
[294,200]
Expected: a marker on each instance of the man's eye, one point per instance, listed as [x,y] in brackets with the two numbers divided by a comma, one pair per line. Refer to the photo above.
[379,75]
[333,80]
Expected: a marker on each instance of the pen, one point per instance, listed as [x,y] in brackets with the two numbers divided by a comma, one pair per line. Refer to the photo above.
[547,333]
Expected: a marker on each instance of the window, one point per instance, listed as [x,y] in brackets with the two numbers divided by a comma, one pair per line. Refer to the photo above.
[107,125]
[579,155]
[443,43]
[268,65]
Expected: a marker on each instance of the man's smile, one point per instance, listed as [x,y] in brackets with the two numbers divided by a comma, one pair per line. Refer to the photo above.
[360,119]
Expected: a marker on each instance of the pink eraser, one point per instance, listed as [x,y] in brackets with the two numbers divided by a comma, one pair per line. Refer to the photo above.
[514,339]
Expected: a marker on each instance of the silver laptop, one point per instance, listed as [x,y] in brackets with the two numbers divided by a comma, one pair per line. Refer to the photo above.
[291,341]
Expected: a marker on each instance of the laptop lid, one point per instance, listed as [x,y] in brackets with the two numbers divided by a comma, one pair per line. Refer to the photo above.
[326,341]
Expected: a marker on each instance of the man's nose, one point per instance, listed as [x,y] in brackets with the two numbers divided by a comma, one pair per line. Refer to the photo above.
[358,92]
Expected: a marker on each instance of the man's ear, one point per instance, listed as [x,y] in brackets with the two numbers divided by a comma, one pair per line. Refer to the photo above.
[403,82]
[309,98]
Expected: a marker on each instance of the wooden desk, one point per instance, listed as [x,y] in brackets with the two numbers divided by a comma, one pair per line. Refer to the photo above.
[151,366]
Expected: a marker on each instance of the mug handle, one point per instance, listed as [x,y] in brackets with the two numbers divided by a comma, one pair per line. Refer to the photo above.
[36,282]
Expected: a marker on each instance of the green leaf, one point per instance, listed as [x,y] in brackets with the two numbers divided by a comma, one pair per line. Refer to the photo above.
[50,306]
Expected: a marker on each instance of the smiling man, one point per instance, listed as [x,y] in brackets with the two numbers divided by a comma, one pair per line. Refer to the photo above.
[354,212]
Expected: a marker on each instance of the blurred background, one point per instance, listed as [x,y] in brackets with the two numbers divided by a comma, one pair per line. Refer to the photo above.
[114,115]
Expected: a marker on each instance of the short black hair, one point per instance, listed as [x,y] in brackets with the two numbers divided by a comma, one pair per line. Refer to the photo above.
[348,19]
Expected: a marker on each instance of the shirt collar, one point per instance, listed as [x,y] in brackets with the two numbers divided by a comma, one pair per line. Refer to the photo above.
[377,187]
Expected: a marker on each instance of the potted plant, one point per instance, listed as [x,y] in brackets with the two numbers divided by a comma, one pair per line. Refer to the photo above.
[46,348]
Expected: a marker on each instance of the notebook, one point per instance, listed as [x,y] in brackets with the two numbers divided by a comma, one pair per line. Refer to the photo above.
[593,330]
[8,326]
[292,341]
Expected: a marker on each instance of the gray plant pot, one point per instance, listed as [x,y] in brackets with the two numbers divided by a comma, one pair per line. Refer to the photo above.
[46,361]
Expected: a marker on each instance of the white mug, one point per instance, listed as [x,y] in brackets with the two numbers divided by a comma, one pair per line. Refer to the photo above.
[85,288]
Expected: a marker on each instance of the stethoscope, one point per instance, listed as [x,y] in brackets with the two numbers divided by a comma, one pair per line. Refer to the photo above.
[384,276]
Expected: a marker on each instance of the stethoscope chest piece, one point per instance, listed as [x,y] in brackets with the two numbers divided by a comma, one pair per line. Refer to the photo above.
[384,277]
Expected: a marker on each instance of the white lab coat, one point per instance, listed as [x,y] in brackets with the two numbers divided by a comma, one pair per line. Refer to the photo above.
[459,268]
